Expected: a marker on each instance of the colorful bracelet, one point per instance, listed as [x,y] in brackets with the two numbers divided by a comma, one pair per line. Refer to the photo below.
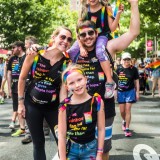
[99,150]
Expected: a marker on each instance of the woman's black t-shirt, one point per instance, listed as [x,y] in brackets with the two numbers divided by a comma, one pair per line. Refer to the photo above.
[126,78]
[45,82]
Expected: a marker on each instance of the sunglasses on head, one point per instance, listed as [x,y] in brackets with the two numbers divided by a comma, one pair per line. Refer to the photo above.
[127,59]
[84,34]
[63,37]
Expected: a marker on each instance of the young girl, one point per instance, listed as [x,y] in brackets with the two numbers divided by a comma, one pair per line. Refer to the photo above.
[100,13]
[78,117]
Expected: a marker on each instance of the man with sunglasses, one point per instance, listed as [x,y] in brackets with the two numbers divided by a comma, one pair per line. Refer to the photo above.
[87,34]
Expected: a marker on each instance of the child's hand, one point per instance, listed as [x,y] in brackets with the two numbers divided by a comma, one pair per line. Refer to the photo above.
[83,52]
[121,8]
[99,156]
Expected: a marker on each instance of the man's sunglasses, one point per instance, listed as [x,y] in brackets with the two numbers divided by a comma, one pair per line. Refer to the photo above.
[63,37]
[84,34]
[127,59]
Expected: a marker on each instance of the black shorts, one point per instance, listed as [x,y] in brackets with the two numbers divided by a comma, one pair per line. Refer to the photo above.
[15,101]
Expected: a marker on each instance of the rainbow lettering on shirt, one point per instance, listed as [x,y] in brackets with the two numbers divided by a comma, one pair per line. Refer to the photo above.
[53,97]
[94,19]
[101,76]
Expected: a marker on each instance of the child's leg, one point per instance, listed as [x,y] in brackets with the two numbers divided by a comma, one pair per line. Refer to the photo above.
[100,53]
[107,70]
[73,51]
[105,64]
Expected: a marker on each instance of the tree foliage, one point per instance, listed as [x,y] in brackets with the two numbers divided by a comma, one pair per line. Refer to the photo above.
[40,17]
[32,17]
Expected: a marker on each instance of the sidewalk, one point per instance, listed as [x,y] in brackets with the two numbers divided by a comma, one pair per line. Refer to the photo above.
[145,127]
[11,148]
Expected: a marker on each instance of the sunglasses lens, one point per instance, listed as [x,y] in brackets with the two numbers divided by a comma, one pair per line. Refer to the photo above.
[83,35]
[63,37]
[90,33]
[69,39]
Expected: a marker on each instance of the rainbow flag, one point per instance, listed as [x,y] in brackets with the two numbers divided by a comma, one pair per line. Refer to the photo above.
[153,66]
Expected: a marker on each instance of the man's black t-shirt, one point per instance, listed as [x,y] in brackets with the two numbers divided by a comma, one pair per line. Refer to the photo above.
[14,65]
[96,80]
[126,77]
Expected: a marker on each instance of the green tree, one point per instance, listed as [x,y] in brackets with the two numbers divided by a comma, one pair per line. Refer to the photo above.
[32,17]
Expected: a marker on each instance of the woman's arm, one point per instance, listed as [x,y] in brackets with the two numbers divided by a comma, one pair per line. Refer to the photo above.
[136,82]
[101,129]
[22,81]
[62,129]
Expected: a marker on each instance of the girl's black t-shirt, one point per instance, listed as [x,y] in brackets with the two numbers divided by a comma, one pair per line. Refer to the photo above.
[96,17]
[82,121]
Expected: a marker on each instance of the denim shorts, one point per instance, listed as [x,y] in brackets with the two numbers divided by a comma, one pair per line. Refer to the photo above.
[126,96]
[83,151]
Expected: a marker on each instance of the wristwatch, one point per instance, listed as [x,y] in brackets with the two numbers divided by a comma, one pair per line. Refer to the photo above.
[20,98]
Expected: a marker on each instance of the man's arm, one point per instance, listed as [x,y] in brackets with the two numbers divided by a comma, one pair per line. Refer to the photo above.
[9,79]
[122,42]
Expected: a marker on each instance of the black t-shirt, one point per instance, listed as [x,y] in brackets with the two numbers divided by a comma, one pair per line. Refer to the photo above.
[14,65]
[126,78]
[96,80]
[81,121]
[96,17]
[45,82]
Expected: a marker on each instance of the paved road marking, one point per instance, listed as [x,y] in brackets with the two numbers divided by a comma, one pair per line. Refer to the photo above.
[56,157]
[152,155]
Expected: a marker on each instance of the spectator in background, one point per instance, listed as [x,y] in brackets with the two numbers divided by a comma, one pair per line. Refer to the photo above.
[1,77]
[4,79]
[134,62]
[128,91]
[14,68]
[155,68]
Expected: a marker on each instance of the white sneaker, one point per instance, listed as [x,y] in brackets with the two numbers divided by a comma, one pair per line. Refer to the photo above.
[12,125]
[109,90]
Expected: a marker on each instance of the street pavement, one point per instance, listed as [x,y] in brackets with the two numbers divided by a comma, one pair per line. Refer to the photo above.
[143,145]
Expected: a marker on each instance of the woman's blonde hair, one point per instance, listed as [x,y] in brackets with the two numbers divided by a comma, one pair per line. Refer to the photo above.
[57,31]
[71,67]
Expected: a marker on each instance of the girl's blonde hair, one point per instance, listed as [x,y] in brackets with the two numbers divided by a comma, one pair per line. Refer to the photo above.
[70,68]
[84,8]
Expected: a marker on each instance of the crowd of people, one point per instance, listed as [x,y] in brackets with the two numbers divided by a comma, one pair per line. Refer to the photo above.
[74,93]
